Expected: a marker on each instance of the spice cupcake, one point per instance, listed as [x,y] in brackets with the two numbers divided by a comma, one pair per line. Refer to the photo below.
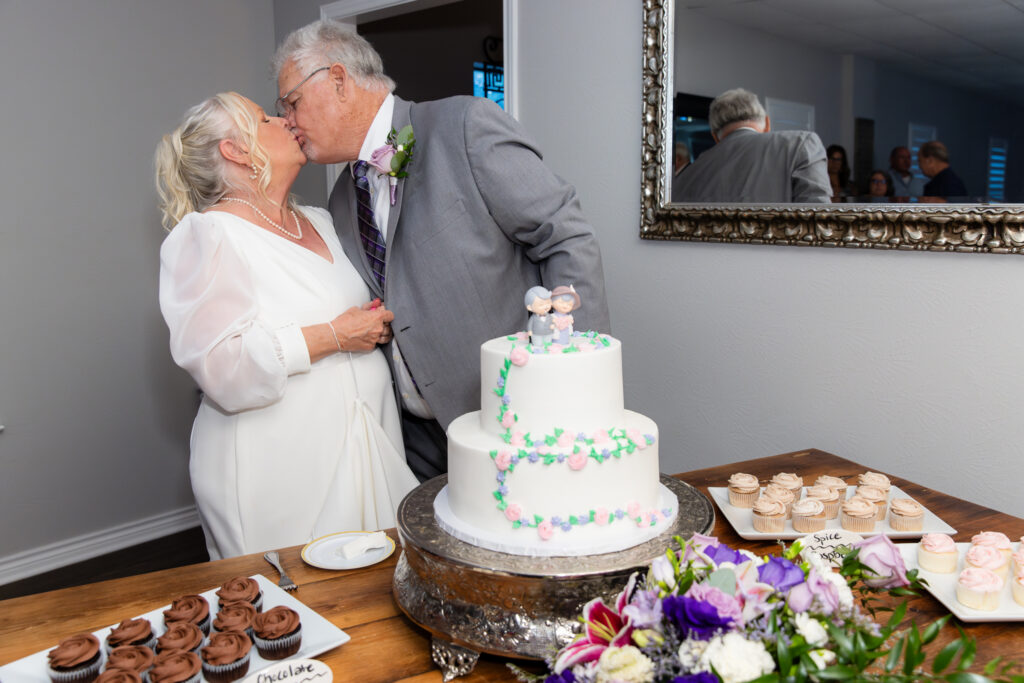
[987,557]
[277,632]
[180,635]
[906,514]
[875,479]
[833,483]
[76,659]
[241,588]
[829,497]
[226,657]
[979,589]
[858,515]
[235,616]
[808,515]
[876,496]
[131,632]
[118,676]
[937,553]
[190,608]
[788,480]
[743,490]
[783,495]
[995,539]
[131,658]
[176,666]
[768,515]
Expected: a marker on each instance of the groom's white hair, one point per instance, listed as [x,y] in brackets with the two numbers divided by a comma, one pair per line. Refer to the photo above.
[325,42]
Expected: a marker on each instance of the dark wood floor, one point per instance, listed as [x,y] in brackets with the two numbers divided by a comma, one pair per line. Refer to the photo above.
[176,550]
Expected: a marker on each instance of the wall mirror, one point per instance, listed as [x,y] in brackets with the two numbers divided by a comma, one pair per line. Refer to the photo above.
[835,67]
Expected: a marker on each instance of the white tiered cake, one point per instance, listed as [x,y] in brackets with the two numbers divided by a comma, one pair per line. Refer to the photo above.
[553,464]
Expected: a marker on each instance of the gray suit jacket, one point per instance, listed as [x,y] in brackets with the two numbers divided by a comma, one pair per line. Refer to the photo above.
[751,167]
[478,221]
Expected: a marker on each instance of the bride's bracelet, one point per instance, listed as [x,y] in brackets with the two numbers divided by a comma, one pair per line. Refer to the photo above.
[335,333]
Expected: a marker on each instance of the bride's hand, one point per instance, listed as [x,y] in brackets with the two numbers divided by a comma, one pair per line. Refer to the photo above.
[360,329]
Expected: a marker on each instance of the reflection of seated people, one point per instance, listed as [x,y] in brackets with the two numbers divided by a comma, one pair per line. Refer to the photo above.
[933,159]
[879,187]
[680,160]
[904,183]
[839,173]
[750,164]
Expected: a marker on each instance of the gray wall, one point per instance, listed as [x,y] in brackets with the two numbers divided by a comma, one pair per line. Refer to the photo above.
[97,416]
[902,361]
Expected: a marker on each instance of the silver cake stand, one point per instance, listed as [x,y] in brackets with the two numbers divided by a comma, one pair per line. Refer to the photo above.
[474,600]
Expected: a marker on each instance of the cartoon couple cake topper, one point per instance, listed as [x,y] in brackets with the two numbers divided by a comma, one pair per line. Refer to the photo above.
[545,325]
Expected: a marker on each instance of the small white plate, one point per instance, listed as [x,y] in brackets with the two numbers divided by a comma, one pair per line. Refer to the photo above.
[325,552]
[744,526]
[943,587]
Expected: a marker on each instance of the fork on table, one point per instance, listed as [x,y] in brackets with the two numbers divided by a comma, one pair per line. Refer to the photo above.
[285,582]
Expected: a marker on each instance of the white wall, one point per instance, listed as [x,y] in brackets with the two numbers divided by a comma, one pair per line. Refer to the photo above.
[906,362]
[97,416]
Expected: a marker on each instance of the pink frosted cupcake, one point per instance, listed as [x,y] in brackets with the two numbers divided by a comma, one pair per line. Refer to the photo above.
[858,515]
[783,495]
[906,514]
[808,515]
[987,557]
[937,553]
[875,479]
[768,515]
[1017,588]
[1017,561]
[743,490]
[979,589]
[829,497]
[995,539]
[788,480]
[876,496]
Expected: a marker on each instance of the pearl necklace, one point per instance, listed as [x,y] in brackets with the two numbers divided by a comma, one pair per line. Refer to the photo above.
[267,219]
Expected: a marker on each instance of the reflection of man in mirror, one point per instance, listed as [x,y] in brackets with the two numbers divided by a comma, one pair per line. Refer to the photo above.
[680,160]
[904,183]
[933,159]
[753,164]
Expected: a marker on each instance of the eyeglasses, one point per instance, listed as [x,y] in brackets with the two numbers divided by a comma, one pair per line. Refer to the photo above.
[285,108]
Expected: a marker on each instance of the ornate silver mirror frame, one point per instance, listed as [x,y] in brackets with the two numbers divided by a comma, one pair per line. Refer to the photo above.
[918,227]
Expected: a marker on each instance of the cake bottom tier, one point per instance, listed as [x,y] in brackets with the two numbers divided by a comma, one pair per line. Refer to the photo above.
[543,499]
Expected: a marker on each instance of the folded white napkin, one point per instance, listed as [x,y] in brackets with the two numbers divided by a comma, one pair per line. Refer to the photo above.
[358,546]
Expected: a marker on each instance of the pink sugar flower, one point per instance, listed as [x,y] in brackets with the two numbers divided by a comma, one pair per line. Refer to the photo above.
[517,439]
[565,440]
[577,461]
[601,436]
[503,460]
[601,516]
[513,512]
[636,437]
[544,449]
[545,530]
[508,419]
[519,357]
[633,510]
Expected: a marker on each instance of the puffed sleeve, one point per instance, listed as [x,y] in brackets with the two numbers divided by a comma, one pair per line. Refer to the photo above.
[217,335]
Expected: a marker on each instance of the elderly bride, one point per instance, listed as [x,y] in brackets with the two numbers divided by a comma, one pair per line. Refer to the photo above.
[297,434]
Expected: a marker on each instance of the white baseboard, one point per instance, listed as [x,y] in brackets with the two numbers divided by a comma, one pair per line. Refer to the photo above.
[87,546]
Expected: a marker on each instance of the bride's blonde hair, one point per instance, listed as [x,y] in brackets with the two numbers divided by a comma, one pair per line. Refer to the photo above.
[191,173]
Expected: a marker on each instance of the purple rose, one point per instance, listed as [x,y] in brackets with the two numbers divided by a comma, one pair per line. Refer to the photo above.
[815,592]
[694,618]
[884,559]
[380,159]
[723,553]
[702,677]
[780,573]
[727,605]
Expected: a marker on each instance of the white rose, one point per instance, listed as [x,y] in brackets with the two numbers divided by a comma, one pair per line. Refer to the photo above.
[737,659]
[822,658]
[811,629]
[845,594]
[624,665]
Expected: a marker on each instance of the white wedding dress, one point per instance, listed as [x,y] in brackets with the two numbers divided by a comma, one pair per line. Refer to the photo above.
[282,451]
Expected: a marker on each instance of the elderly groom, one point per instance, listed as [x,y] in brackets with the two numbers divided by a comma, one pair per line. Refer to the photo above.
[478,220]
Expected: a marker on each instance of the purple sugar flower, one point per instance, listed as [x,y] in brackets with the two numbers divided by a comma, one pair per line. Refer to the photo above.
[501,476]
[584,518]
[605,453]
[780,573]
[505,400]
[620,513]
[561,457]
[581,437]
[503,490]
[566,526]
[694,618]
[501,382]
[533,456]
[556,521]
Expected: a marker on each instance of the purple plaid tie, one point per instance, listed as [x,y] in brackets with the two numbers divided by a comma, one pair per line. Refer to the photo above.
[373,241]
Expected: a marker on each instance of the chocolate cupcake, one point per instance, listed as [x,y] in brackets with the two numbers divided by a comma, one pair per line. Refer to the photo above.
[131,632]
[131,658]
[118,676]
[226,657]
[235,616]
[180,635]
[76,659]
[176,666]
[241,588]
[277,632]
[191,608]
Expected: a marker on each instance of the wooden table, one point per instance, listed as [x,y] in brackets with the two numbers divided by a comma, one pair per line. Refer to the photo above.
[386,646]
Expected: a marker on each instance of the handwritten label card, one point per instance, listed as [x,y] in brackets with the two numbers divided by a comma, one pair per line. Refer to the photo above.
[826,543]
[294,671]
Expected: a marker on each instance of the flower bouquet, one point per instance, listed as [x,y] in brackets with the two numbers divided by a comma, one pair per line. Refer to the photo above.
[709,613]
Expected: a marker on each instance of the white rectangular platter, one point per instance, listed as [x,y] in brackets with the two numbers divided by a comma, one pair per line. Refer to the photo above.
[318,635]
[943,587]
[740,520]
